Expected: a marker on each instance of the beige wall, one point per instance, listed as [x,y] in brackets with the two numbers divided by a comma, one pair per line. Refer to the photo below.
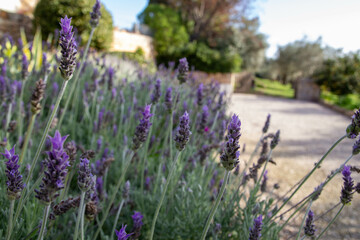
[124,41]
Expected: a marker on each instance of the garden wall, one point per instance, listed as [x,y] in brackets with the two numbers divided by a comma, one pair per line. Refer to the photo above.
[11,23]
[124,41]
[227,80]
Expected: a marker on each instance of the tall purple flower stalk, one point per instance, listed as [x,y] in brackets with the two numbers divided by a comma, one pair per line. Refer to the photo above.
[183,132]
[14,179]
[85,176]
[267,124]
[200,95]
[121,234]
[255,231]
[95,14]
[230,156]
[183,70]
[348,187]
[25,65]
[309,228]
[155,96]
[168,99]
[57,162]
[203,120]
[137,219]
[68,49]
[142,130]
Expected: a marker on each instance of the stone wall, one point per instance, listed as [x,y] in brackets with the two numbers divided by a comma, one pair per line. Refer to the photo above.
[11,23]
[124,41]
[306,89]
[244,82]
[226,80]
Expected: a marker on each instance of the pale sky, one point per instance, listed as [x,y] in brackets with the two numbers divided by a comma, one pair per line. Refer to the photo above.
[283,21]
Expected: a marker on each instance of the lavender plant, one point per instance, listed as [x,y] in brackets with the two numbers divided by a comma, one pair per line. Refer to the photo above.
[109,105]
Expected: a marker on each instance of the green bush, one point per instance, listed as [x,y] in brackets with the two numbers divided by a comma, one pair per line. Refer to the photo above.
[47,15]
[341,75]
[171,42]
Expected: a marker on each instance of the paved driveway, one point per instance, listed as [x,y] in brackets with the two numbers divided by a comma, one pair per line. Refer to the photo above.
[307,131]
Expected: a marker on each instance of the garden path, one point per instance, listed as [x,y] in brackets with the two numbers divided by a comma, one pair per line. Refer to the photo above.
[307,131]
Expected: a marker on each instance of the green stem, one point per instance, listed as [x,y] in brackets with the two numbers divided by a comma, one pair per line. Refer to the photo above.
[116,219]
[291,216]
[215,120]
[43,224]
[27,137]
[308,175]
[8,117]
[303,221]
[331,222]
[80,212]
[215,206]
[82,231]
[76,78]
[112,199]
[11,214]
[168,179]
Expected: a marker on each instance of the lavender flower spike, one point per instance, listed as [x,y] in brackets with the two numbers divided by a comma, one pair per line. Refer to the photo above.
[85,176]
[121,234]
[14,179]
[230,156]
[183,70]
[57,163]
[142,130]
[25,66]
[267,124]
[200,95]
[309,228]
[275,140]
[183,132]
[95,14]
[348,187]
[137,219]
[255,231]
[168,99]
[155,96]
[68,49]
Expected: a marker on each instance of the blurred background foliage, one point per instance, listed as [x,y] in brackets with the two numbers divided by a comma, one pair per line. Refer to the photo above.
[47,14]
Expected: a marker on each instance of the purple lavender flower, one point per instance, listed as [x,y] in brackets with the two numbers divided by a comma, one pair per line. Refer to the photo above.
[183,132]
[230,156]
[100,187]
[68,49]
[200,95]
[25,66]
[155,96]
[237,170]
[356,147]
[147,183]
[264,182]
[220,102]
[255,231]
[111,78]
[14,178]
[142,130]
[57,163]
[203,120]
[309,228]
[85,176]
[168,99]
[137,219]
[183,70]
[95,14]
[121,234]
[217,228]
[348,188]
[267,124]
[275,140]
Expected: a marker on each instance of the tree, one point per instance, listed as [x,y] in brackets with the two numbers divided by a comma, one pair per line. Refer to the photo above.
[340,75]
[250,44]
[48,13]
[298,59]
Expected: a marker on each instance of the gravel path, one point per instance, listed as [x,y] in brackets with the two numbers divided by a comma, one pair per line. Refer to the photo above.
[307,132]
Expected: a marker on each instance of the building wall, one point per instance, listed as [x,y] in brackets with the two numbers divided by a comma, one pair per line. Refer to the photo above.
[124,41]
